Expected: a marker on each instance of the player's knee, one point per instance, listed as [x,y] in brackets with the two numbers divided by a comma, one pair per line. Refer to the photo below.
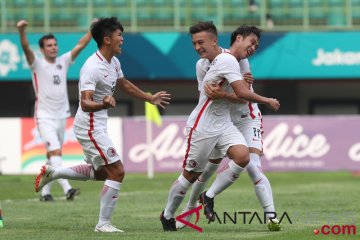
[242,159]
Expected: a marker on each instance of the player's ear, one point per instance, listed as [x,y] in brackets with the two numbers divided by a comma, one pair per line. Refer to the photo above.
[106,40]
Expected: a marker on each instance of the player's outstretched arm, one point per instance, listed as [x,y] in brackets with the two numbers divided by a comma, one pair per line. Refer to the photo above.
[161,98]
[82,43]
[21,25]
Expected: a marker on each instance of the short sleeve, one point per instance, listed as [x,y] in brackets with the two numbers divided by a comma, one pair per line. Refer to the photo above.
[87,79]
[200,73]
[244,66]
[66,58]
[35,63]
[229,67]
[118,69]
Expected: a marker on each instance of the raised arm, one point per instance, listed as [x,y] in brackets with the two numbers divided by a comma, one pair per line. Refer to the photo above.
[160,98]
[80,45]
[21,25]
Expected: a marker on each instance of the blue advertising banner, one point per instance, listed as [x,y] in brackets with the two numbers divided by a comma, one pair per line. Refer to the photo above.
[170,56]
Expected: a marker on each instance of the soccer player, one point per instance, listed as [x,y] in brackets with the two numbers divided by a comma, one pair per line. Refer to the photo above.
[209,125]
[52,103]
[246,116]
[99,77]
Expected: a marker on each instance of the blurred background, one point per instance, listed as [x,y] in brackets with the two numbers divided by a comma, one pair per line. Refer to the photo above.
[308,58]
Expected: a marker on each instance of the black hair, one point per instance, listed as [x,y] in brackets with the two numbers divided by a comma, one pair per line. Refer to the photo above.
[104,27]
[207,26]
[245,31]
[45,37]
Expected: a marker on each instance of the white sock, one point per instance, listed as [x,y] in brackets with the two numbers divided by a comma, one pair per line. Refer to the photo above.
[224,179]
[47,188]
[79,172]
[200,184]
[56,162]
[176,195]
[108,198]
[262,185]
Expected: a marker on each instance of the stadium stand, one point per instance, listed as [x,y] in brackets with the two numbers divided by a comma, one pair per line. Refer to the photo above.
[165,15]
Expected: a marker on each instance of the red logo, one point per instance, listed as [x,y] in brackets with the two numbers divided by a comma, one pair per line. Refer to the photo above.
[189,224]
[336,230]
[111,152]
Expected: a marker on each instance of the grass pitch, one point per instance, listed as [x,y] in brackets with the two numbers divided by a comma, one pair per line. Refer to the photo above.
[310,199]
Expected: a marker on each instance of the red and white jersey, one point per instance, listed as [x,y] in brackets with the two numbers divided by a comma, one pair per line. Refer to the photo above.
[99,76]
[50,85]
[211,116]
[250,109]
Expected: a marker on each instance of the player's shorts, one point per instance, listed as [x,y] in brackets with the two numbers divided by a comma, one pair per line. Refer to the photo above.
[200,146]
[98,148]
[51,132]
[252,131]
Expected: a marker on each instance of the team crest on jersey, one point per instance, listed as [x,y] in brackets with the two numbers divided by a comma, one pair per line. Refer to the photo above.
[111,152]
[58,66]
[193,163]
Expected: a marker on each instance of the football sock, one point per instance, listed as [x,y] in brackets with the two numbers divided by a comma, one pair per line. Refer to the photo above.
[224,179]
[200,184]
[176,195]
[78,172]
[108,198]
[56,162]
[262,185]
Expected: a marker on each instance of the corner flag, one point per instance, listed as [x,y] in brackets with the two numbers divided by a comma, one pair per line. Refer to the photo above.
[152,114]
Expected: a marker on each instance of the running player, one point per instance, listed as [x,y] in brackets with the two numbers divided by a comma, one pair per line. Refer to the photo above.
[99,77]
[52,103]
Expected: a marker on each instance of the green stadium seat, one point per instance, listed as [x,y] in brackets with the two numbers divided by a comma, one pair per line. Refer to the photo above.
[276,3]
[296,3]
[336,20]
[20,3]
[99,3]
[58,3]
[336,3]
[38,3]
[120,3]
[79,3]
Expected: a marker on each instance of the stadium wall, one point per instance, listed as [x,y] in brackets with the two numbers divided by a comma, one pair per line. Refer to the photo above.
[320,143]
[170,56]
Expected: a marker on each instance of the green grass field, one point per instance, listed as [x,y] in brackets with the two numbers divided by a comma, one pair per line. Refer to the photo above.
[310,199]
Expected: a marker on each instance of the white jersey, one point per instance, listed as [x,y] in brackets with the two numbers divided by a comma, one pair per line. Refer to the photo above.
[250,109]
[211,116]
[50,85]
[238,111]
[99,76]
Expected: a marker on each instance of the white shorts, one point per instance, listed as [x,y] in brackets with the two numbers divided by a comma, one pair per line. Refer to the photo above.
[97,146]
[251,129]
[200,146]
[51,132]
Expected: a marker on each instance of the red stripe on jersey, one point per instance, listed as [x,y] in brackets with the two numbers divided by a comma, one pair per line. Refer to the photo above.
[99,56]
[36,92]
[251,111]
[93,139]
[91,114]
[195,125]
